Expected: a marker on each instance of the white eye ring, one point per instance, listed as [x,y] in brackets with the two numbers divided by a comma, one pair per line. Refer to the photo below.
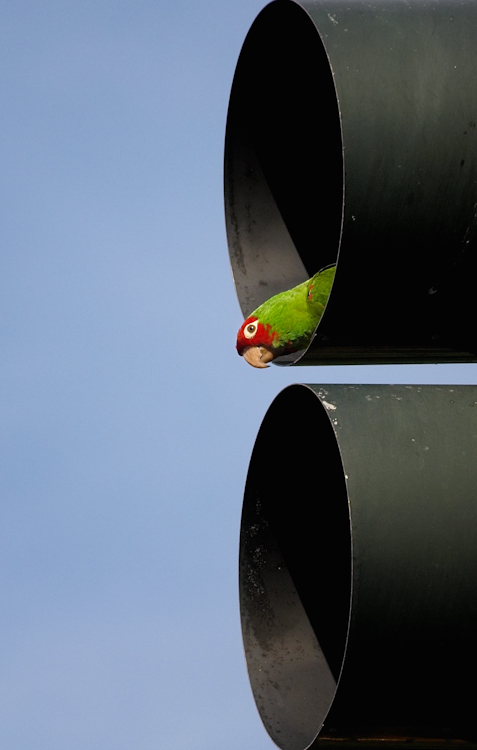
[251,329]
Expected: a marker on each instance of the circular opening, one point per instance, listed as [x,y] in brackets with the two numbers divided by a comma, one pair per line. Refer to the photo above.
[283,157]
[295,568]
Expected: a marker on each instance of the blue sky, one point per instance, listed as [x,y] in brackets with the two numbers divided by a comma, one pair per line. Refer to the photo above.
[127,418]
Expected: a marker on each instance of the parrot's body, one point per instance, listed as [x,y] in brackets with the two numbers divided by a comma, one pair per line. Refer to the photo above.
[286,322]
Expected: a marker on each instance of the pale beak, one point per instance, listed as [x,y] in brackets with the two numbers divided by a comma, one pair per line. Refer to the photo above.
[258,356]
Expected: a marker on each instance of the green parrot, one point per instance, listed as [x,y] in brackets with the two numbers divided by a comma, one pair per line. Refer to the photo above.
[286,322]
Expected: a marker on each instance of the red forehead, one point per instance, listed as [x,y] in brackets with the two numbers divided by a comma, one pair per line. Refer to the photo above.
[263,337]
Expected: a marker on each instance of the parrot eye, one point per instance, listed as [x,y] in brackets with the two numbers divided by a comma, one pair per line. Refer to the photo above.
[250,330]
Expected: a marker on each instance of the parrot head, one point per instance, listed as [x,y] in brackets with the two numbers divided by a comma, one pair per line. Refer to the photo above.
[257,343]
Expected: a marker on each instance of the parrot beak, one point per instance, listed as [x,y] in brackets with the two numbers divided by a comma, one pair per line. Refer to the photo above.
[258,356]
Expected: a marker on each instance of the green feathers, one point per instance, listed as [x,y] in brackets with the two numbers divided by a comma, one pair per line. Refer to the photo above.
[286,322]
[294,314]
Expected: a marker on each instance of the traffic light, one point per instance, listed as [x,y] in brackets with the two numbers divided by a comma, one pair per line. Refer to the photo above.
[351,139]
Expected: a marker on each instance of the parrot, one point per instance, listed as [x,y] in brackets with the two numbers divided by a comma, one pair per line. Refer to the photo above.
[286,322]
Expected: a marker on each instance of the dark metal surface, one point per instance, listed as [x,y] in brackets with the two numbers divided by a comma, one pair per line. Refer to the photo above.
[352,131]
[360,511]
